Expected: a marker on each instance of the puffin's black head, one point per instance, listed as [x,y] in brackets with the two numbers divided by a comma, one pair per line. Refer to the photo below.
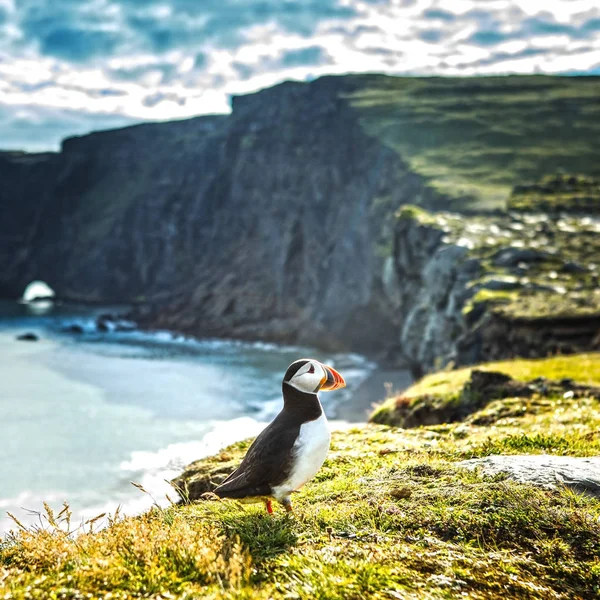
[310,376]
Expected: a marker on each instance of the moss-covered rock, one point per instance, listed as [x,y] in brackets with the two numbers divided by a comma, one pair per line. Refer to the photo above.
[477,288]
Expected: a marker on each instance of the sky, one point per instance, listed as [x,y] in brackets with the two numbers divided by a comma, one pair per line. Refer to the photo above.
[71,66]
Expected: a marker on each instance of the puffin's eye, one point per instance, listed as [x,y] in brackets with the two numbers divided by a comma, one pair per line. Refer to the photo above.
[312,369]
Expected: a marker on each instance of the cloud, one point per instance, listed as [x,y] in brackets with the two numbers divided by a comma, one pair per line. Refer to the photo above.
[591,26]
[539,26]
[439,14]
[489,38]
[120,61]
[200,60]
[243,70]
[158,97]
[42,124]
[225,23]
[431,35]
[163,72]
[498,58]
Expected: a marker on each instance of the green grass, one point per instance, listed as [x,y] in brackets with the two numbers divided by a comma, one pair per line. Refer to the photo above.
[446,393]
[474,139]
[390,515]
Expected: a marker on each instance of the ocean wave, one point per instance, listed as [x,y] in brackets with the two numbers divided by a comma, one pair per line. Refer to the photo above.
[175,457]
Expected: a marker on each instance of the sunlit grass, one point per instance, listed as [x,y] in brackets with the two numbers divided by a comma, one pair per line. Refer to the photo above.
[390,515]
[474,139]
[443,390]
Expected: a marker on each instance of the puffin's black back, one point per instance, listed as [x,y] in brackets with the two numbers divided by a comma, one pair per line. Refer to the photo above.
[269,459]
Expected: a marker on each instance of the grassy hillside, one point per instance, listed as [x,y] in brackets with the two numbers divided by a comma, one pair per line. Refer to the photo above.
[390,516]
[476,138]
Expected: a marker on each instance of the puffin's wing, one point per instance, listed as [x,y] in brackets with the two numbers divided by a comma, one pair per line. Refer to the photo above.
[267,462]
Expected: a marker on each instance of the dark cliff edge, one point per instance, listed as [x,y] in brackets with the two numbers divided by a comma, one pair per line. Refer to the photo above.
[278,222]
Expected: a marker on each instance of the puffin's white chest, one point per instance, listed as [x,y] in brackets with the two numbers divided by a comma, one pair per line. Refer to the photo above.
[309,453]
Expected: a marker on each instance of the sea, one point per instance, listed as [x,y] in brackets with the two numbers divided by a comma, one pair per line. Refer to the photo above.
[85,412]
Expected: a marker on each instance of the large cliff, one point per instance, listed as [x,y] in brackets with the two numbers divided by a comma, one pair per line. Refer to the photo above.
[277,221]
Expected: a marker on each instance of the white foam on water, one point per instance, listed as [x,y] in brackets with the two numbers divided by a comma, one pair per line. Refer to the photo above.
[151,470]
[176,456]
[37,289]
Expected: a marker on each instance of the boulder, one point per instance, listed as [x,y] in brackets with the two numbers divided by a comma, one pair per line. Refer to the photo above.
[573,268]
[580,474]
[103,325]
[511,257]
[500,284]
[28,337]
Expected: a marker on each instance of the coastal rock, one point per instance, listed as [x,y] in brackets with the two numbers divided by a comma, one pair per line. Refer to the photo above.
[456,305]
[579,474]
[485,398]
[511,257]
[28,337]
[431,279]
[103,325]
[500,284]
[573,267]
[258,225]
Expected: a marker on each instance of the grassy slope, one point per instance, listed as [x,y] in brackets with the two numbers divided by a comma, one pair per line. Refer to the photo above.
[389,516]
[475,138]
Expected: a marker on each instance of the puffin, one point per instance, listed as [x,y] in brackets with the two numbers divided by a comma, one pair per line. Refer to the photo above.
[293,446]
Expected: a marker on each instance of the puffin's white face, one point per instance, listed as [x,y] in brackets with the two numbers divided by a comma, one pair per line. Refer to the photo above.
[312,376]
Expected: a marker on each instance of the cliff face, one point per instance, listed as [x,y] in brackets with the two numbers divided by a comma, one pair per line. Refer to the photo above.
[277,222]
[286,246]
[264,224]
[427,282]
[112,210]
[21,204]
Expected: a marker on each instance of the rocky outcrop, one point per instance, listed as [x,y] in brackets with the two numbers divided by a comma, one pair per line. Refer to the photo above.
[579,474]
[286,245]
[470,289]
[484,399]
[427,285]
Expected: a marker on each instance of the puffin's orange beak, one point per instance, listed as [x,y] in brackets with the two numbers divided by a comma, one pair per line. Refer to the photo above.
[333,380]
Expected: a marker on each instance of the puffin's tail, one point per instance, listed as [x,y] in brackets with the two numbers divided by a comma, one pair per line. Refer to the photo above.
[237,488]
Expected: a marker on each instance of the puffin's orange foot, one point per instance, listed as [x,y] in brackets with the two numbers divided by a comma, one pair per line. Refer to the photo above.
[269,507]
[287,503]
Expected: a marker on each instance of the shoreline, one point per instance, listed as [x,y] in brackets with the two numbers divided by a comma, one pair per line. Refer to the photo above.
[54,393]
